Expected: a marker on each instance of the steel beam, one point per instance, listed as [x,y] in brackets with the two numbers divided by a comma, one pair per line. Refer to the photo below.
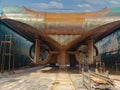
[90,51]
[63,60]
[37,50]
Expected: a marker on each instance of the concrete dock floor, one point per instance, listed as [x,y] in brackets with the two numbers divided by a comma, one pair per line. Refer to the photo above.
[45,78]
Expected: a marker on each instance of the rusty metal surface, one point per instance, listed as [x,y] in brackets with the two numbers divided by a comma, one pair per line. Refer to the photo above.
[61,30]
[29,32]
[47,24]
[33,33]
[97,33]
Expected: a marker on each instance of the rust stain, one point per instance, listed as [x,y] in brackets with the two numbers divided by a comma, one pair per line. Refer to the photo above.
[62,24]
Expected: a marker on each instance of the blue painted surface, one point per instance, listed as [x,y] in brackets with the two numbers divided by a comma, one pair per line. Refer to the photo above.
[1,12]
[20,47]
[109,49]
[109,43]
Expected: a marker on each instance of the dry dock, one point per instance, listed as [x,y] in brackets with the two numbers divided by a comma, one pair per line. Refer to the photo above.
[45,78]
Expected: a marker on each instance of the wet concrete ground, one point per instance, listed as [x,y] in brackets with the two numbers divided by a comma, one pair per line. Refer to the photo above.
[44,78]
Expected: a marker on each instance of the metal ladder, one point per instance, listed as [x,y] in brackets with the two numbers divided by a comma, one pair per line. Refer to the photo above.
[6,53]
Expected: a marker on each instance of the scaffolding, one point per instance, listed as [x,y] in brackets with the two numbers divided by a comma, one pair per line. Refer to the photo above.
[100,66]
[7,56]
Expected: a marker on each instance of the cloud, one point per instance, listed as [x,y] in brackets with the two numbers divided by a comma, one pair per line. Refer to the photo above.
[51,4]
[100,2]
[84,6]
[92,1]
[87,10]
[114,2]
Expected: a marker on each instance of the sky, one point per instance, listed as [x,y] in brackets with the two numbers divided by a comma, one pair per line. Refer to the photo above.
[62,5]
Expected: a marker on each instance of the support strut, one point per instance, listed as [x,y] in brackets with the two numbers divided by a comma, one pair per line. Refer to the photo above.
[37,50]
[63,61]
[90,51]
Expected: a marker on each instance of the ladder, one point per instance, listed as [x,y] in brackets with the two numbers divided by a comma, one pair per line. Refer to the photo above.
[7,53]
